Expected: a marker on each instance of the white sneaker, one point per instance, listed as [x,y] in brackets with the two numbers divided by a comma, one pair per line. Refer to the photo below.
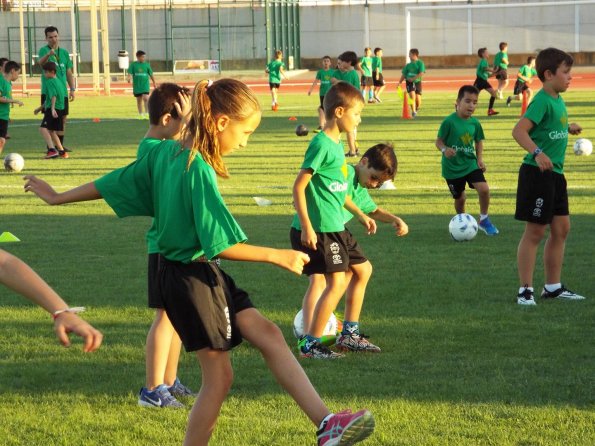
[561,293]
[526,298]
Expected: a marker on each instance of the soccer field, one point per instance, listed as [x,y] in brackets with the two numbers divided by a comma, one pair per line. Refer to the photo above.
[462,363]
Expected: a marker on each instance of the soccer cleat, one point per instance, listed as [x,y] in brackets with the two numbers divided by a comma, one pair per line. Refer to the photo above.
[356,343]
[508,101]
[561,293]
[346,428]
[177,389]
[315,350]
[525,297]
[63,154]
[160,397]
[51,153]
[492,112]
[486,226]
[348,155]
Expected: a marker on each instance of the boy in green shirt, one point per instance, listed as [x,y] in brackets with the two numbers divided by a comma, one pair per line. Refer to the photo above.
[500,68]
[275,69]
[139,74]
[345,72]
[9,74]
[462,163]
[542,196]
[364,66]
[377,77]
[54,92]
[412,74]
[523,79]
[483,72]
[324,76]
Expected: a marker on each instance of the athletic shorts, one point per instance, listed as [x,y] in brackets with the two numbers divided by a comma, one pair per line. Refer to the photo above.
[366,81]
[274,85]
[155,300]
[413,86]
[501,74]
[457,185]
[202,302]
[3,128]
[540,195]
[519,87]
[66,106]
[138,95]
[335,251]
[51,123]
[378,79]
[321,103]
[481,84]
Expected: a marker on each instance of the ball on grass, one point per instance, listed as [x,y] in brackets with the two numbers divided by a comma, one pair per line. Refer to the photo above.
[301,130]
[13,162]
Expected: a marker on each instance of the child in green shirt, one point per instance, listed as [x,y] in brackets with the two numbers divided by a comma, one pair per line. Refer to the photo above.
[275,69]
[139,73]
[377,77]
[412,74]
[324,76]
[523,79]
[483,72]
[8,74]
[500,68]
[364,66]
[346,63]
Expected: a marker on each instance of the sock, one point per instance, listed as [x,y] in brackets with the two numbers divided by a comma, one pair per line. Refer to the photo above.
[309,339]
[350,327]
[523,288]
[482,217]
[61,138]
[552,286]
[492,100]
[322,424]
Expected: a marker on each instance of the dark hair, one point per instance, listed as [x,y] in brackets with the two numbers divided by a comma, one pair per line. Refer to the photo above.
[481,51]
[140,53]
[49,66]
[467,89]
[3,60]
[327,57]
[377,49]
[551,59]
[11,65]
[502,45]
[348,56]
[382,158]
[530,59]
[278,53]
[342,94]
[162,101]
[414,51]
[50,29]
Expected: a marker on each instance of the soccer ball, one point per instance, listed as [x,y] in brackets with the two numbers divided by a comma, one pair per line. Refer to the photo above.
[583,146]
[301,130]
[13,162]
[330,328]
[462,227]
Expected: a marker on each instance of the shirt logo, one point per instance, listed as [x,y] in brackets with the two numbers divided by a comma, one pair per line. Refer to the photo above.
[556,134]
[467,138]
[334,247]
[335,186]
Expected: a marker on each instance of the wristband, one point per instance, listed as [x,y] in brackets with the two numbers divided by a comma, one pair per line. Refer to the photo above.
[75,310]
[443,149]
[536,152]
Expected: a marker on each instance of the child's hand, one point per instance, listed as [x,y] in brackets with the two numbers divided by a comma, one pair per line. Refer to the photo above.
[54,113]
[40,188]
[291,260]
[19,103]
[368,223]
[70,323]
[37,110]
[481,164]
[309,238]
[544,162]
[574,129]
[183,106]
[400,227]
[450,152]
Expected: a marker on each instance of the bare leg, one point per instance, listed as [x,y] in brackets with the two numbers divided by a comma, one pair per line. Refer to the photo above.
[351,143]
[56,141]
[47,137]
[313,293]
[139,104]
[460,203]
[159,342]
[146,102]
[553,253]
[335,287]
[483,191]
[356,290]
[321,118]
[527,251]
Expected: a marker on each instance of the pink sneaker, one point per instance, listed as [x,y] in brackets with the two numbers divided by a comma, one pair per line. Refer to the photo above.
[346,428]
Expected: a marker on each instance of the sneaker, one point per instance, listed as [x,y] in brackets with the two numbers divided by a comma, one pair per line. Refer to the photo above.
[486,226]
[348,155]
[492,112]
[414,114]
[561,293]
[63,154]
[51,153]
[316,350]
[160,397]
[377,99]
[318,130]
[275,107]
[178,389]
[508,101]
[66,149]
[500,94]
[526,297]
[356,343]
[346,428]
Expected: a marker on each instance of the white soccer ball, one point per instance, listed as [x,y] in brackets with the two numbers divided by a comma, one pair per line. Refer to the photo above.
[330,328]
[463,227]
[13,162]
[583,146]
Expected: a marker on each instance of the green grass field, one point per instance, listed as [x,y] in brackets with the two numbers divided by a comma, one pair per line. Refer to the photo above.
[462,364]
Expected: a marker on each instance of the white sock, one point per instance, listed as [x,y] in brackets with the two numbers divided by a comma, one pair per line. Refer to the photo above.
[482,217]
[521,289]
[552,286]
[325,420]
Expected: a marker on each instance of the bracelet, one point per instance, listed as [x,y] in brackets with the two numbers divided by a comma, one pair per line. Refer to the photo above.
[443,149]
[536,152]
[75,310]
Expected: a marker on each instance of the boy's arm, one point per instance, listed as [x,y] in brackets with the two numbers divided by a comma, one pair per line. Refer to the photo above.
[71,84]
[288,259]
[54,112]
[153,80]
[448,152]
[312,86]
[366,221]
[479,155]
[521,135]
[309,238]
[386,217]
[6,100]
[43,190]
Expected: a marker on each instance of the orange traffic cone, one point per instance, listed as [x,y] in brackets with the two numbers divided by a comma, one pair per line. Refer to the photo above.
[406,114]
[525,103]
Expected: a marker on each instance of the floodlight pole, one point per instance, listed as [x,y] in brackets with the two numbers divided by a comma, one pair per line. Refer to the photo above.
[23,61]
[94,46]
[105,48]
[366,24]
[134,43]
[74,52]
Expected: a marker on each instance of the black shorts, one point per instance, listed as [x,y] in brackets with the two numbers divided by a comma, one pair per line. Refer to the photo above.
[519,87]
[540,195]
[366,81]
[378,79]
[501,74]
[202,302]
[274,85]
[482,84]
[155,299]
[335,251]
[66,106]
[3,128]
[51,123]
[413,86]
[457,185]
[321,103]
[138,95]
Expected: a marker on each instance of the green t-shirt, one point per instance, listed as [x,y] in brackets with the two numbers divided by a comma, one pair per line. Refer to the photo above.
[326,191]
[412,69]
[481,71]
[62,60]
[377,64]
[145,146]
[359,195]
[526,71]
[550,131]
[274,67]
[460,134]
[5,92]
[324,76]
[501,60]
[350,77]
[191,218]
[54,87]
[141,73]
[366,64]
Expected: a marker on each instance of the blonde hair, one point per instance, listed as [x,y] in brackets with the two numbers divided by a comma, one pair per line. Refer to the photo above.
[209,101]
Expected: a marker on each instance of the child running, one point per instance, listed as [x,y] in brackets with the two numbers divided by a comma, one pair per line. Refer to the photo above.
[483,72]
[176,184]
[275,69]
[501,68]
[324,76]
[523,79]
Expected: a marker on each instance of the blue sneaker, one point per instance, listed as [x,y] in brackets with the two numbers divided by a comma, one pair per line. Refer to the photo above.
[486,226]
[160,397]
[180,390]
